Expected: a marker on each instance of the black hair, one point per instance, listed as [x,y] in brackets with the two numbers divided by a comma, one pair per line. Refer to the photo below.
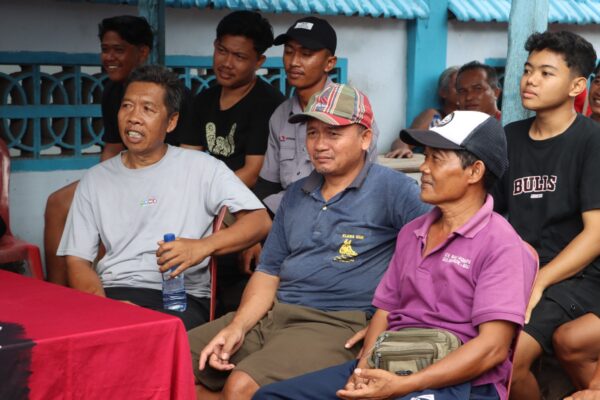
[467,159]
[579,54]
[249,24]
[174,90]
[490,72]
[134,30]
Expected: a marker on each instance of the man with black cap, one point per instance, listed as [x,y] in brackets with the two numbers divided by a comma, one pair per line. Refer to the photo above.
[331,241]
[461,268]
[308,57]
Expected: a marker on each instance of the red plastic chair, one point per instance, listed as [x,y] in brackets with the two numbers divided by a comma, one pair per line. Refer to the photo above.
[217,225]
[11,248]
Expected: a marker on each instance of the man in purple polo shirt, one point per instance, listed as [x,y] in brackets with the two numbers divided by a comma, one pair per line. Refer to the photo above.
[460,267]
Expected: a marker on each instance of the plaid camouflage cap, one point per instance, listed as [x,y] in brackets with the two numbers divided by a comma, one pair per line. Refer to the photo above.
[338,105]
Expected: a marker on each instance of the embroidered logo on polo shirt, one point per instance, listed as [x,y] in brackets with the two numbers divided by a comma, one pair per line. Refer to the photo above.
[283,138]
[462,262]
[150,201]
[346,252]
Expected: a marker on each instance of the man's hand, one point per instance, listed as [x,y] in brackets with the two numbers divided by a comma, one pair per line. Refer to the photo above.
[247,256]
[534,299]
[370,384]
[218,351]
[357,337]
[399,149]
[400,153]
[182,253]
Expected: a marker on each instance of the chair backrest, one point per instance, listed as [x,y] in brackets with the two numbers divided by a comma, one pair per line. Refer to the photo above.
[217,225]
[5,181]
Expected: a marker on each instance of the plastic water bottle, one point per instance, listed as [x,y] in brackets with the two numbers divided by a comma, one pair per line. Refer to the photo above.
[173,289]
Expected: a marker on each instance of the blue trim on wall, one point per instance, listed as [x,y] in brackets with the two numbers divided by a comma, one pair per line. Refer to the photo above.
[51,117]
[426,59]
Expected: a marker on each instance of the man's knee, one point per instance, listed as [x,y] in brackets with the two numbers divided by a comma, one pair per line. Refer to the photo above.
[239,385]
[566,346]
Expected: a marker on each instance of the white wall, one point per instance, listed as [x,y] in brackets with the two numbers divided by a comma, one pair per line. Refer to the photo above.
[375,49]
[490,40]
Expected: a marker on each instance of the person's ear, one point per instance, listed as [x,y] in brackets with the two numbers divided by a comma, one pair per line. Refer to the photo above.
[172,123]
[366,138]
[477,171]
[144,54]
[261,60]
[578,85]
[330,63]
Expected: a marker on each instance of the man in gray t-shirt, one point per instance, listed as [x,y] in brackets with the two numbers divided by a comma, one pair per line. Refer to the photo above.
[132,200]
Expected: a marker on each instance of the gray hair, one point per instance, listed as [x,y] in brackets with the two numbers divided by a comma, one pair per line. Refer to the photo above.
[444,79]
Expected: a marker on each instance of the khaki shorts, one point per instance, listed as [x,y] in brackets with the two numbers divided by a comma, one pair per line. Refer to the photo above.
[289,341]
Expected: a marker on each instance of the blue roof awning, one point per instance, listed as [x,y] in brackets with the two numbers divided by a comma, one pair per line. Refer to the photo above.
[559,11]
[401,9]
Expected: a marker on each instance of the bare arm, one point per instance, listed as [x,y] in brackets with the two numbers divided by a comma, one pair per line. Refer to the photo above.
[582,250]
[256,301]
[472,359]
[82,276]
[249,172]
[248,229]
[110,150]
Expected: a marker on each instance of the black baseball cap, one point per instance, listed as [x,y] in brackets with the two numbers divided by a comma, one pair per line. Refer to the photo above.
[474,131]
[311,32]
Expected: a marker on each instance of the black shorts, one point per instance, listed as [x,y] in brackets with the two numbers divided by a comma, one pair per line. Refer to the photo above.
[561,303]
[546,317]
[196,313]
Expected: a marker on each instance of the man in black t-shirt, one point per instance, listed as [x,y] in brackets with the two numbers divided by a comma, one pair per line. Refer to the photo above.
[231,119]
[552,197]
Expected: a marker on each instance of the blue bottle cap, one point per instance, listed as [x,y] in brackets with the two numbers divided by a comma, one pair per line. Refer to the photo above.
[169,237]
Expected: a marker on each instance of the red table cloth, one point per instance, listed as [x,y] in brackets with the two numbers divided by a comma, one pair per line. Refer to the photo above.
[58,343]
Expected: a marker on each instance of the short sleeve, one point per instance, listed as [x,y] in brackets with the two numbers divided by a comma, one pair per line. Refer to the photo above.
[81,235]
[387,294]
[407,202]
[258,131]
[590,174]
[503,285]
[270,167]
[226,189]
[275,250]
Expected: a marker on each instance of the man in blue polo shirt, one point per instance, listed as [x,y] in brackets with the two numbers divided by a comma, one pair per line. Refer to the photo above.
[331,241]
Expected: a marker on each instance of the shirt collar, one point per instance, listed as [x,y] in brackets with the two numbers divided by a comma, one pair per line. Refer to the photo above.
[468,230]
[315,179]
